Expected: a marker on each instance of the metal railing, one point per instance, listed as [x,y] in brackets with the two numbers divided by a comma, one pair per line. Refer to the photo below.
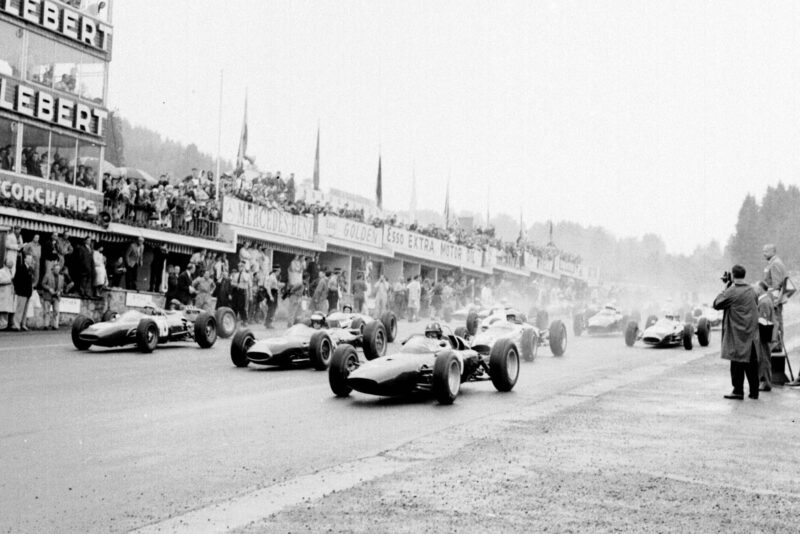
[146,217]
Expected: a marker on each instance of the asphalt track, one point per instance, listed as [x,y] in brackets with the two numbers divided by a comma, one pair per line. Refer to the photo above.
[115,440]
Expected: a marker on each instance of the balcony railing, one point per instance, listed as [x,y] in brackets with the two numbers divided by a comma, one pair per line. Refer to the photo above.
[194,225]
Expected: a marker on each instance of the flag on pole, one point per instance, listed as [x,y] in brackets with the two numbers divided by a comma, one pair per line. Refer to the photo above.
[241,156]
[522,232]
[379,186]
[316,164]
[413,205]
[551,234]
[447,205]
[488,190]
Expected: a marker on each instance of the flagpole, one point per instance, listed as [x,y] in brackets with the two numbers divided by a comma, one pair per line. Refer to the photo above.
[219,137]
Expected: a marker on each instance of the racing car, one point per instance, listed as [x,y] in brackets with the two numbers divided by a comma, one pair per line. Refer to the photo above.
[668,331]
[148,327]
[605,321]
[714,317]
[436,362]
[313,341]
[511,324]
[358,321]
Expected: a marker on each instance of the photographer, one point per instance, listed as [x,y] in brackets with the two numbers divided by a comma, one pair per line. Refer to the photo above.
[740,340]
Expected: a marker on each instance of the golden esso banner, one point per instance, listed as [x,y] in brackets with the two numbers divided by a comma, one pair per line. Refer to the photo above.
[62,20]
[352,231]
[261,218]
[50,194]
[44,106]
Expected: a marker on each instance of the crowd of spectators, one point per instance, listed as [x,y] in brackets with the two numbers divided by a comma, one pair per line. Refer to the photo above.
[59,168]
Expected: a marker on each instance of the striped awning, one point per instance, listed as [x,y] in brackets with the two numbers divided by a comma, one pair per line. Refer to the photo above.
[287,244]
[176,242]
[40,222]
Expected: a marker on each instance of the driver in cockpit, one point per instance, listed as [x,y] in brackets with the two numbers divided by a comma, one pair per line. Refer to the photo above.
[318,321]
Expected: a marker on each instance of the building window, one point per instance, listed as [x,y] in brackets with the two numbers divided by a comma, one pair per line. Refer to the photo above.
[8,144]
[39,63]
[88,164]
[10,49]
[63,156]
[63,68]
[35,149]
[92,79]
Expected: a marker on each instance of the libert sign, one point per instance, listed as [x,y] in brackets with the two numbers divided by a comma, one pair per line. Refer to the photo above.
[60,19]
[25,100]
[49,194]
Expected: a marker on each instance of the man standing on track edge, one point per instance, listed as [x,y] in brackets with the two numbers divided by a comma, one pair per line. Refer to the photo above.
[740,340]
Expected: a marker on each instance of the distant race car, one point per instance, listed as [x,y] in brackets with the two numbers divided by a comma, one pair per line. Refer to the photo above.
[150,326]
[313,341]
[605,321]
[347,319]
[511,324]
[668,331]
[714,317]
[436,362]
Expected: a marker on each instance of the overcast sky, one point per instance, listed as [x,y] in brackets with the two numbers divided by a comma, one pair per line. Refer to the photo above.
[639,116]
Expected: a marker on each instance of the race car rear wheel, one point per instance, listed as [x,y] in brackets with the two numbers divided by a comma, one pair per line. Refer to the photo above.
[577,325]
[703,331]
[242,341]
[226,322]
[504,365]
[462,332]
[79,324]
[374,340]
[205,330]
[686,337]
[631,333]
[109,315]
[446,377]
[528,345]
[147,335]
[651,320]
[357,324]
[558,338]
[389,321]
[320,350]
[343,362]
[472,322]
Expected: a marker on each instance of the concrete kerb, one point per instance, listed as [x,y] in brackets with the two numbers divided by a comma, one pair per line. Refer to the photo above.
[265,502]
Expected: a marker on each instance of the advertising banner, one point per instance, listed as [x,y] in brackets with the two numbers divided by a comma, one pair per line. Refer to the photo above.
[49,193]
[352,231]
[255,217]
[424,247]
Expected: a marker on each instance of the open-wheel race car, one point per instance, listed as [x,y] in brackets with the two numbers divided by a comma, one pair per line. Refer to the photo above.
[511,324]
[607,320]
[714,317]
[668,331]
[148,327]
[437,362]
[311,341]
[358,321]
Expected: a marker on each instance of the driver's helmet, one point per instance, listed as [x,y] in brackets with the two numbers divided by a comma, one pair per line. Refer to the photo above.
[317,320]
[433,331]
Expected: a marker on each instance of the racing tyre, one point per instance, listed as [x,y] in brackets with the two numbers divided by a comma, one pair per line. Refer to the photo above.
[389,321]
[651,320]
[461,331]
[542,318]
[504,365]
[79,324]
[472,322]
[446,377]
[558,338]
[226,322]
[109,315]
[528,345]
[577,325]
[343,362]
[320,351]
[242,341]
[631,333]
[357,324]
[688,332]
[205,330]
[374,340]
[147,335]
[703,331]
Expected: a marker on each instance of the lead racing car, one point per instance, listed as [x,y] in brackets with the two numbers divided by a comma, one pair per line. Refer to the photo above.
[350,320]
[435,362]
[668,331]
[148,327]
[312,341]
[511,324]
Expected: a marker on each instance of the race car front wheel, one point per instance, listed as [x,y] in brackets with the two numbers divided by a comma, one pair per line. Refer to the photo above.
[147,335]
[504,365]
[80,324]
[631,333]
[320,351]
[446,377]
[226,322]
[374,340]
[389,321]
[558,338]
[343,362]
[688,332]
[242,341]
[205,330]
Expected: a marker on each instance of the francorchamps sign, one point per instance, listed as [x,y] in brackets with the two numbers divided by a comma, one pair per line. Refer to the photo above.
[420,246]
[352,231]
[248,215]
[62,20]
[49,193]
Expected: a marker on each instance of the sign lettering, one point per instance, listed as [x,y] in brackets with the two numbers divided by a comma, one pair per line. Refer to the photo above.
[264,219]
[50,194]
[62,20]
[352,231]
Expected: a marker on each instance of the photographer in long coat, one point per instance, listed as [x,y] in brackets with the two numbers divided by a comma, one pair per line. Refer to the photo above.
[740,339]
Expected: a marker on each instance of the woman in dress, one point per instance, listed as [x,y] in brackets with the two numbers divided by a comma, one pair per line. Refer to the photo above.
[100,274]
